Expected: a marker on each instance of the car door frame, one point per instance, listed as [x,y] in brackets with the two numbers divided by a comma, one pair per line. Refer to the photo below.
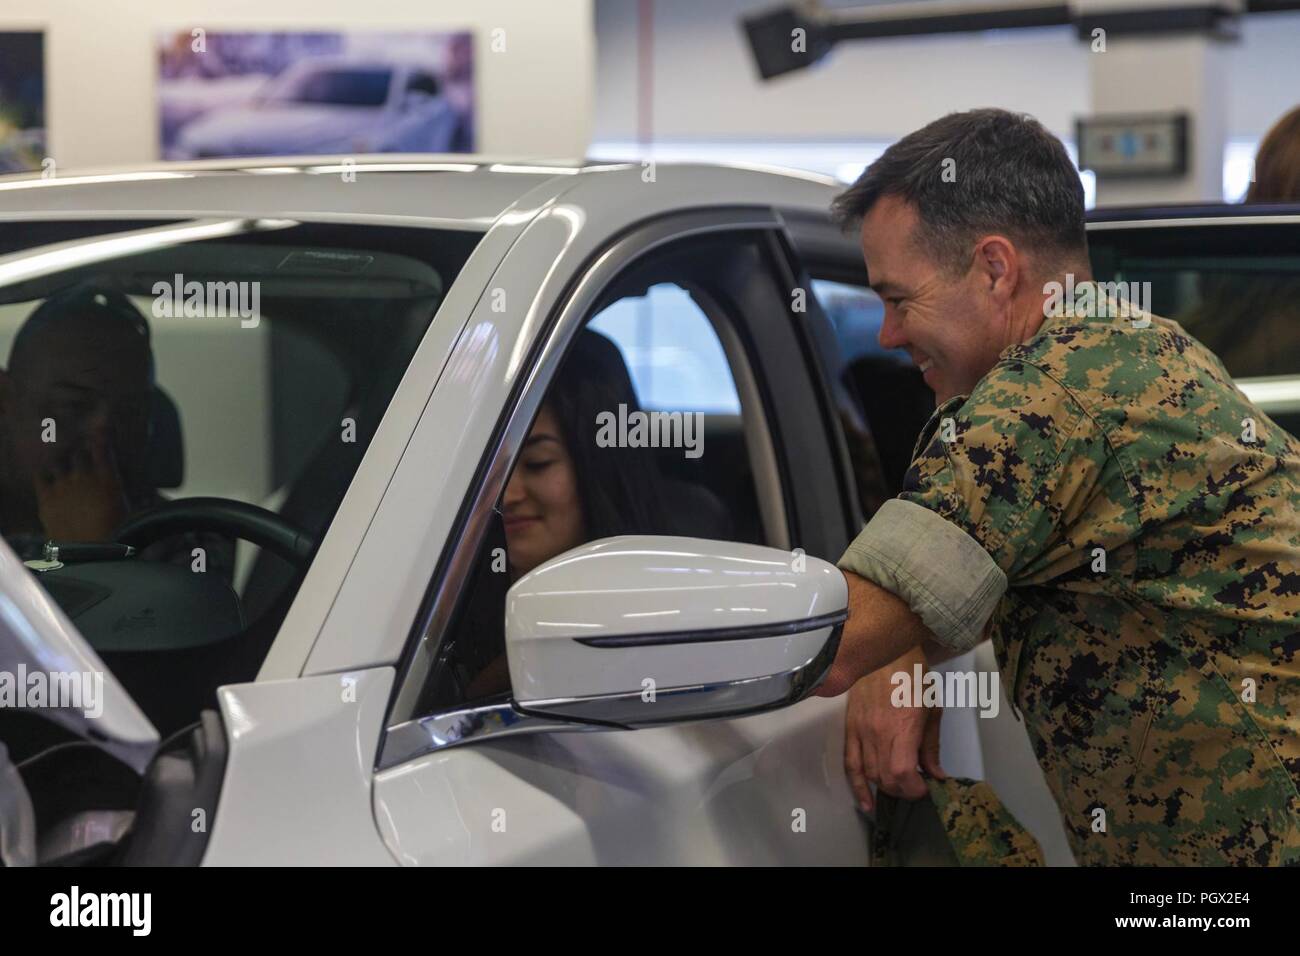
[409,734]
[414,755]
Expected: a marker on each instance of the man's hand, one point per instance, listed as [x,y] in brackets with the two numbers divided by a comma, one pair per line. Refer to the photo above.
[884,744]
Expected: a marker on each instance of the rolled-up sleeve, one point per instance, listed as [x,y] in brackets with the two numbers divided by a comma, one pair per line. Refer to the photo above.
[986,503]
[943,574]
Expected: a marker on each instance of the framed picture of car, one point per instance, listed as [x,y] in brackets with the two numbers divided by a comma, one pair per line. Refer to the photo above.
[22,100]
[226,94]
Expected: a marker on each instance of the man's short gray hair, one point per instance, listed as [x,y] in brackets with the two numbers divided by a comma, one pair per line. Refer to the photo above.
[975,173]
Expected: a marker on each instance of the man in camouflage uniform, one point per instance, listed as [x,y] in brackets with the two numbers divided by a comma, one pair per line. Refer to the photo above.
[1092,493]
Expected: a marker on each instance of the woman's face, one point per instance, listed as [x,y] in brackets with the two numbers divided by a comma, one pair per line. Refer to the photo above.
[543,513]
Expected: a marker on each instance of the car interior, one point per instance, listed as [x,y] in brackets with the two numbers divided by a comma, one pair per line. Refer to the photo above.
[256,428]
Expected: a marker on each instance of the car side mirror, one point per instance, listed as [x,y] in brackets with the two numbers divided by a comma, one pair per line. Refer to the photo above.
[642,630]
[415,99]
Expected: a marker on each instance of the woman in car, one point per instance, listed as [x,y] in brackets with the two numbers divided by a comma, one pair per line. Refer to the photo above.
[566,490]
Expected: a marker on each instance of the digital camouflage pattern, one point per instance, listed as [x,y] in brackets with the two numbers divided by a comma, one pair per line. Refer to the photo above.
[961,823]
[1158,677]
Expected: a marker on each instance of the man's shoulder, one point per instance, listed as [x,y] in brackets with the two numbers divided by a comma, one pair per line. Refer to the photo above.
[1110,365]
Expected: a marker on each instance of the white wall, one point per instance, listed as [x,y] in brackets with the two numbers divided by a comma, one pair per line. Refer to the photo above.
[706,86]
[535,98]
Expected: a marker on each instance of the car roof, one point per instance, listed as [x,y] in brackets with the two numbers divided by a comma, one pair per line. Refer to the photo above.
[466,191]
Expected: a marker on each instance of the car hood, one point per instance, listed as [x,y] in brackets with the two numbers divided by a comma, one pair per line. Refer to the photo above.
[273,129]
[47,665]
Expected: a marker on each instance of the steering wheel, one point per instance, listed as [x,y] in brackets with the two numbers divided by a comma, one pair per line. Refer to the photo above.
[266,529]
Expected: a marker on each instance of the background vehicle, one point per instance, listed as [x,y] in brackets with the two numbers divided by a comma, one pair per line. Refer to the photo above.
[430,307]
[332,104]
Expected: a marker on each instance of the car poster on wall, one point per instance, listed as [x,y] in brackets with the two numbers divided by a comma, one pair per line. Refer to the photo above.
[279,93]
[22,100]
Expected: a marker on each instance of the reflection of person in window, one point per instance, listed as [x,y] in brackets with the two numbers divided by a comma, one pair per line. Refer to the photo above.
[75,418]
[1252,321]
[1277,164]
[566,490]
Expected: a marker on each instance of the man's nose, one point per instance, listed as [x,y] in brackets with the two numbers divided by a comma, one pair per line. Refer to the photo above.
[891,334]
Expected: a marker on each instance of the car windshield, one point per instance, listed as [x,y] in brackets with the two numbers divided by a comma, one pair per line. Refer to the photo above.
[352,87]
[178,425]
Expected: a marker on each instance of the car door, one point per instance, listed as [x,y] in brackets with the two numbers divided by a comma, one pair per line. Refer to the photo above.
[703,299]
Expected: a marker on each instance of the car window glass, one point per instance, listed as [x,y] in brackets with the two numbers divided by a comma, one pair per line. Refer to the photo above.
[251,369]
[359,87]
[1244,307]
[893,398]
[671,351]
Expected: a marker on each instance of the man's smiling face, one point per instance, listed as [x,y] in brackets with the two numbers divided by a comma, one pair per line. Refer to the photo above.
[946,323]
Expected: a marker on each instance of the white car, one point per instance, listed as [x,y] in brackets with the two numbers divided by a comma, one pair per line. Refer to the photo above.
[358,426]
[331,104]
[343,373]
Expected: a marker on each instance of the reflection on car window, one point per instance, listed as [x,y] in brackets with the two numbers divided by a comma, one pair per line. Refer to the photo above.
[1245,308]
[145,397]
[857,314]
[893,398]
[671,350]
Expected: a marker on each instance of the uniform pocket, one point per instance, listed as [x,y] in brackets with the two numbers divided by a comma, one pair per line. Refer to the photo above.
[1090,704]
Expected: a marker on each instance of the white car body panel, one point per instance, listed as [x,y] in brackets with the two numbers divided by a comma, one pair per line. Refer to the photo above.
[298,775]
[722,792]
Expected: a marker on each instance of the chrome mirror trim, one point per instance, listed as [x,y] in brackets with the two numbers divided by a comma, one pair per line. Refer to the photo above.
[739,633]
[700,701]
[502,717]
[490,720]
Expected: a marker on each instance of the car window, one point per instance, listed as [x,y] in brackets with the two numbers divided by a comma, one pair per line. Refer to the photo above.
[1238,293]
[666,452]
[154,400]
[338,88]
[892,397]
[671,350]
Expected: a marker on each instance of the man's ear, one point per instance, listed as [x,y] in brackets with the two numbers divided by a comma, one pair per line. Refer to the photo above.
[997,262]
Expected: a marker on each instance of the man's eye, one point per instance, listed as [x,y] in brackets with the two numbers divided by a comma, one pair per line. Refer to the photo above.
[896,303]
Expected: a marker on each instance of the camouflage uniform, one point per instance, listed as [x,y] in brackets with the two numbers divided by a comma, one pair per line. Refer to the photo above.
[1164,689]
[961,823]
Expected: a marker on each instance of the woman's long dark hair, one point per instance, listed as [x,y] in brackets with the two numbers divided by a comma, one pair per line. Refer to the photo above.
[621,489]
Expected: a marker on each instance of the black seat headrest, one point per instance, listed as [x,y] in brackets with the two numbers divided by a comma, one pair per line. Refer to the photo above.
[166,453]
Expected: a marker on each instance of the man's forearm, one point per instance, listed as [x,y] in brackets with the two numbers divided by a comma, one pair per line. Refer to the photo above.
[880,628]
